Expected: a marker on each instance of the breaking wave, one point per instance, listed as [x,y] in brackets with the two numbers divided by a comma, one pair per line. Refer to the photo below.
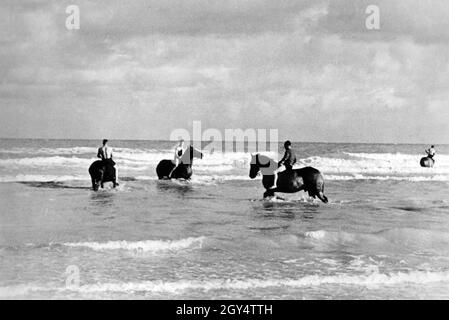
[178,287]
[226,166]
[405,237]
[43,178]
[378,163]
[142,246]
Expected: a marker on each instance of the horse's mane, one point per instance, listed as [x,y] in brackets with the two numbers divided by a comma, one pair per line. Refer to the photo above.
[265,160]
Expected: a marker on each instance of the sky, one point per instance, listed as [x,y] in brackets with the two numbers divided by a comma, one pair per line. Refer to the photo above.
[309,68]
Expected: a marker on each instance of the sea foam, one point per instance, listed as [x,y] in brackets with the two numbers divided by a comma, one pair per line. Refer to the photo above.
[143,246]
[373,279]
[342,166]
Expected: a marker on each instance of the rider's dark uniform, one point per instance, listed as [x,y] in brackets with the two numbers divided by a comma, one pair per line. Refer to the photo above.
[288,160]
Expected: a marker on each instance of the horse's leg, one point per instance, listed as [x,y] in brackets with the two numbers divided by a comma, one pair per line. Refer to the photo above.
[269,193]
[114,181]
[114,178]
[101,179]
[94,185]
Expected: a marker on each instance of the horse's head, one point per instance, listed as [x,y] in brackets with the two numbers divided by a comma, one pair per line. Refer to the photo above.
[191,152]
[195,153]
[254,166]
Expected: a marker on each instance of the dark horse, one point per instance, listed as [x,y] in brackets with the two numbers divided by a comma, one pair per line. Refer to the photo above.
[289,181]
[102,171]
[183,170]
[427,162]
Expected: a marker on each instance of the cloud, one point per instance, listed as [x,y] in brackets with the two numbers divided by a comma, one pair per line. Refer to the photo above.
[144,68]
[423,21]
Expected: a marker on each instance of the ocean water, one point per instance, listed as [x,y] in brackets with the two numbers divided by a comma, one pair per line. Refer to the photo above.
[383,235]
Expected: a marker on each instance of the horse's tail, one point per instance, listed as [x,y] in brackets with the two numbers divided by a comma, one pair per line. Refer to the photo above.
[320,189]
[322,197]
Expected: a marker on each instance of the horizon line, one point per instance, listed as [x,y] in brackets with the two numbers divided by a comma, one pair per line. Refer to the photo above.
[168,140]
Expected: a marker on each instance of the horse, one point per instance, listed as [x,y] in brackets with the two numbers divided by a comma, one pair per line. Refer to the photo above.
[427,162]
[307,179]
[102,171]
[184,168]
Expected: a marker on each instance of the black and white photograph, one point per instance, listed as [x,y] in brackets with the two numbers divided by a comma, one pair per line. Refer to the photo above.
[213,150]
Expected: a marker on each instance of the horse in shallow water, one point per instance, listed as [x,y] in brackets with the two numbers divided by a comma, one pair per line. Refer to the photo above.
[102,171]
[307,179]
[427,162]
[183,170]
